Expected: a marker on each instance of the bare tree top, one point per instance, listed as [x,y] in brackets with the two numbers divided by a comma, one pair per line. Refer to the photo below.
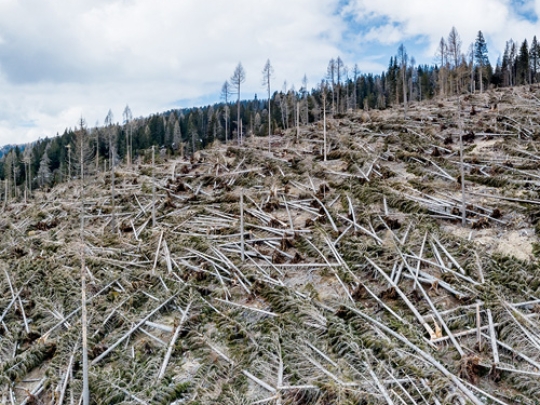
[239,75]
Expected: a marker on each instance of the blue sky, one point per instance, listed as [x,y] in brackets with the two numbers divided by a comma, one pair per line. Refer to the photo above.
[62,60]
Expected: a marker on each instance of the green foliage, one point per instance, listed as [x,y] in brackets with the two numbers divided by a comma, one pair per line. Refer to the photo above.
[170,393]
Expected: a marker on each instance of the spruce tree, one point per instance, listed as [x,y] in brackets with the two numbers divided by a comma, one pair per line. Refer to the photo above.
[522,65]
[481,58]
[44,171]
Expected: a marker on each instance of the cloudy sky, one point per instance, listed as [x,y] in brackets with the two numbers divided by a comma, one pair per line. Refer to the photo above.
[60,60]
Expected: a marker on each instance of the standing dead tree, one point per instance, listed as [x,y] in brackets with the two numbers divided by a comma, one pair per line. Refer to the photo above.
[128,116]
[267,77]
[238,77]
[225,93]
[81,148]
[111,132]
[403,59]
[324,96]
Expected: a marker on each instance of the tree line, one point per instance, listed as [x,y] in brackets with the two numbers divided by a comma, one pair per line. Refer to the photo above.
[184,131]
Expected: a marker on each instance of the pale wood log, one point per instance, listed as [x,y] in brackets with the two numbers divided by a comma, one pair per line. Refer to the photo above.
[130,332]
[172,343]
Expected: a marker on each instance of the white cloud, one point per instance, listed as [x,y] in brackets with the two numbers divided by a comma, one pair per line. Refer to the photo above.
[89,56]
[499,20]
[60,60]
[385,34]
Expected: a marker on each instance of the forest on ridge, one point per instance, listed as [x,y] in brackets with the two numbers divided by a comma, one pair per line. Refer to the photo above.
[184,131]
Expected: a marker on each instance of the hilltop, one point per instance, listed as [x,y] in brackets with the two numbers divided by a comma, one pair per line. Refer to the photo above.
[249,275]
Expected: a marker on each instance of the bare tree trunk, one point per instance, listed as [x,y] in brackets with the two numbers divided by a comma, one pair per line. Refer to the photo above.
[86,388]
[97,151]
[238,121]
[26,177]
[411,88]
[283,113]
[324,127]
[473,86]
[297,121]
[130,145]
[242,225]
[69,162]
[29,180]
[478,326]
[227,125]
[14,178]
[113,191]
[5,192]
[267,74]
[269,123]
[461,168]
[480,73]
[404,80]
[153,189]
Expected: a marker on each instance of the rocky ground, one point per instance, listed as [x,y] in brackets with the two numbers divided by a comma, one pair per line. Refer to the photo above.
[280,277]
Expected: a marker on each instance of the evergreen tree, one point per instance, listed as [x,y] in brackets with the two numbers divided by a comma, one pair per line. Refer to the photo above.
[8,174]
[523,64]
[304,112]
[146,140]
[513,63]
[192,132]
[506,66]
[497,78]
[481,58]
[210,134]
[391,79]
[340,72]
[44,172]
[177,137]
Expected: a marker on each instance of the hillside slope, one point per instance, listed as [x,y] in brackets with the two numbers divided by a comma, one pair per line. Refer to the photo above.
[278,277]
